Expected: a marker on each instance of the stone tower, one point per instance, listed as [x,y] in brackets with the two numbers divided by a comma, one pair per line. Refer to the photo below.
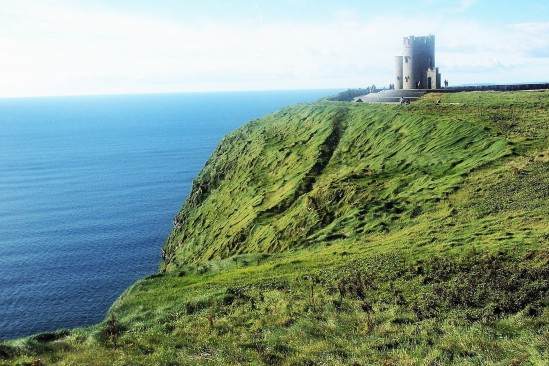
[415,69]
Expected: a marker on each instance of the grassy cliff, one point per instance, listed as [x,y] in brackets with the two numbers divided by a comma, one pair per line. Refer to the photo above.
[337,233]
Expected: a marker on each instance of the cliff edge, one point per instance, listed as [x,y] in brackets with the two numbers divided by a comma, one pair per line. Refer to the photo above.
[311,174]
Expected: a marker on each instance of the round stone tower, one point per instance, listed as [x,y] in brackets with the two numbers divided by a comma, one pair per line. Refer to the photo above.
[418,56]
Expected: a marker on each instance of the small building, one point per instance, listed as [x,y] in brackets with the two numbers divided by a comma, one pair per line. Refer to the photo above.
[416,69]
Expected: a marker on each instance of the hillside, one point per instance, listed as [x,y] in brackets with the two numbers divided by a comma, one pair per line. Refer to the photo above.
[337,233]
[310,174]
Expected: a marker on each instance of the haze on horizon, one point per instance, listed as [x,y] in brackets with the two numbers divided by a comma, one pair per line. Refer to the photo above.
[78,47]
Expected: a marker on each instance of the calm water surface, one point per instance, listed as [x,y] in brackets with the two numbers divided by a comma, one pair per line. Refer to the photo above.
[88,190]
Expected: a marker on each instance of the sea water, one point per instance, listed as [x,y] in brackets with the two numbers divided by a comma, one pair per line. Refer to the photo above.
[88,190]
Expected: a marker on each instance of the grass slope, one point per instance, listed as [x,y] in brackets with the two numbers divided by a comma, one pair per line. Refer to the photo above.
[342,234]
[313,173]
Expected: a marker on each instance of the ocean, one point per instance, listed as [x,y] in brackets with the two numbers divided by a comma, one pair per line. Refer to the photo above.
[89,187]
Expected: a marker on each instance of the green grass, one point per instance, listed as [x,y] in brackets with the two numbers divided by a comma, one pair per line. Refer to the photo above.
[343,234]
[328,170]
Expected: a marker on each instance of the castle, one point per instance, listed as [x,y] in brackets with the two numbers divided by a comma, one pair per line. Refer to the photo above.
[416,75]
[415,69]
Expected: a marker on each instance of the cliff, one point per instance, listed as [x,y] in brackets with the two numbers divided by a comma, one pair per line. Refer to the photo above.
[311,174]
[338,233]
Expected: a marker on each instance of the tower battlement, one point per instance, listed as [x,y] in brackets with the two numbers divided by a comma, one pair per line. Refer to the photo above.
[418,41]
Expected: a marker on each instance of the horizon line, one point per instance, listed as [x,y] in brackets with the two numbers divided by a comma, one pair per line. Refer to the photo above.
[113,94]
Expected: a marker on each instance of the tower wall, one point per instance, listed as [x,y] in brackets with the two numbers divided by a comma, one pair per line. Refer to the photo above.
[433,78]
[418,56]
[398,72]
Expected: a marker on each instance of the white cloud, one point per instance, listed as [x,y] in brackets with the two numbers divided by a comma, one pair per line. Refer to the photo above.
[465,5]
[54,48]
[532,39]
[538,29]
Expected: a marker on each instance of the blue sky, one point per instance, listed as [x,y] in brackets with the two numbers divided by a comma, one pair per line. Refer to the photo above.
[73,47]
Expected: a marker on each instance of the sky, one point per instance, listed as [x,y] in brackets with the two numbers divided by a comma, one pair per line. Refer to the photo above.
[81,47]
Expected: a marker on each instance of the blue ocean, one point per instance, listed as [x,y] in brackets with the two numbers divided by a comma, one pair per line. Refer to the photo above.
[88,190]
